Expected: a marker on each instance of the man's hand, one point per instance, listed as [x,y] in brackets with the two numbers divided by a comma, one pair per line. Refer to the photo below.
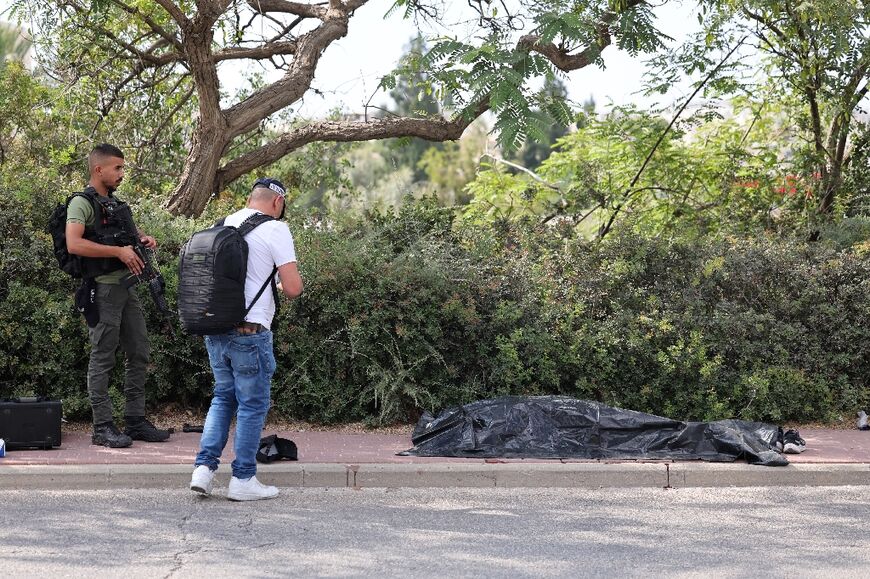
[131,259]
[148,241]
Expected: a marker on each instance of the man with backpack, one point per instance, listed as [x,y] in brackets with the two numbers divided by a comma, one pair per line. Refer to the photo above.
[113,312]
[242,357]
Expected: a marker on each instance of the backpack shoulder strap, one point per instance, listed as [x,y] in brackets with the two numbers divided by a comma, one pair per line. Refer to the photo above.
[245,228]
[87,194]
[269,281]
[91,195]
[253,221]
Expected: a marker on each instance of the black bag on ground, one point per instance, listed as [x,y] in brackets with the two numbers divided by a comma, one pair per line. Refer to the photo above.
[30,423]
[564,427]
[211,278]
[274,448]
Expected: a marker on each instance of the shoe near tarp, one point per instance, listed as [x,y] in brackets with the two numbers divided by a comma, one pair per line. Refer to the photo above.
[777,442]
[792,443]
[107,434]
[139,428]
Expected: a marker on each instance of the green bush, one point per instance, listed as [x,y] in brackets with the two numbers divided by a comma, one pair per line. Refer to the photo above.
[753,328]
[412,311]
[398,315]
[43,343]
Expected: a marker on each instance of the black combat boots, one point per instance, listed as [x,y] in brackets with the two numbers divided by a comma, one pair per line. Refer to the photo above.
[107,434]
[138,428]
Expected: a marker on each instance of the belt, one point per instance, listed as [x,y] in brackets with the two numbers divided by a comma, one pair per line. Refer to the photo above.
[250,328]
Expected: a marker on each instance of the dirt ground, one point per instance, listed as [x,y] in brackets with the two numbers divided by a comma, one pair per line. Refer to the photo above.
[174,418]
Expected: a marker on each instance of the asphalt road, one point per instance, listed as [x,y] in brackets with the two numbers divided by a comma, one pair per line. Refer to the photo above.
[774,532]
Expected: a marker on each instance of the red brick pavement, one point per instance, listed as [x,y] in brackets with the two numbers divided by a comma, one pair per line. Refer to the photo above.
[823,446]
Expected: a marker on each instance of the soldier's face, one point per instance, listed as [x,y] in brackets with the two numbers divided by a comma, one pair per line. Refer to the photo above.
[111,172]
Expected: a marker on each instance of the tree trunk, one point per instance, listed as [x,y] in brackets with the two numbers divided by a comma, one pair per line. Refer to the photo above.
[828,192]
[197,182]
[212,135]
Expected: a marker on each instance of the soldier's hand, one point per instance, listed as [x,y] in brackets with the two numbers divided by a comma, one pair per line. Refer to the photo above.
[148,241]
[131,259]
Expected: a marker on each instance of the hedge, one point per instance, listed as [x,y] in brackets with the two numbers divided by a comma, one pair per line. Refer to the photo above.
[410,312]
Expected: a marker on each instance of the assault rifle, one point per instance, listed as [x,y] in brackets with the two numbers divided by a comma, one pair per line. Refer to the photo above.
[150,274]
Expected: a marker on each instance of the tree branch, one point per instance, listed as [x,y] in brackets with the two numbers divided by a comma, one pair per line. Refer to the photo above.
[264,51]
[559,56]
[525,170]
[172,38]
[248,113]
[297,80]
[168,118]
[217,129]
[145,56]
[860,95]
[774,50]
[175,12]
[859,74]
[287,7]
[343,131]
[765,22]
[628,192]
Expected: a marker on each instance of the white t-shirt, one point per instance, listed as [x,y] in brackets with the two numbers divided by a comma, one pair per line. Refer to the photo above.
[269,245]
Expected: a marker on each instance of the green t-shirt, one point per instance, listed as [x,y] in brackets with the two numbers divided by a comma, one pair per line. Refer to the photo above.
[81,211]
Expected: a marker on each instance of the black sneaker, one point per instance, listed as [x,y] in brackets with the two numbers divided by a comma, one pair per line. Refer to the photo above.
[107,434]
[138,428]
[792,443]
[777,440]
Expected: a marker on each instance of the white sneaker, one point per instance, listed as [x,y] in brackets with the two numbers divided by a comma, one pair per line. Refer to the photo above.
[202,480]
[250,489]
[792,443]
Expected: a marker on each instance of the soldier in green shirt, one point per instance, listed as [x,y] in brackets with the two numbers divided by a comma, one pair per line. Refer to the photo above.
[121,320]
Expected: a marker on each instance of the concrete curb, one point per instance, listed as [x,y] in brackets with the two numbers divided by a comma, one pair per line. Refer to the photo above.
[454,475]
[683,475]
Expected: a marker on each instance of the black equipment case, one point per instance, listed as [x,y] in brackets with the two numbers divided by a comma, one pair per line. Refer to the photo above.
[30,422]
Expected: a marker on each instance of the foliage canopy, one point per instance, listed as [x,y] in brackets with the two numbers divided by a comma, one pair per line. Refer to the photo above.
[162,59]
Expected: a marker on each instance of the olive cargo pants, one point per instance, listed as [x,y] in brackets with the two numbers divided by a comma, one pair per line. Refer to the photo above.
[122,322]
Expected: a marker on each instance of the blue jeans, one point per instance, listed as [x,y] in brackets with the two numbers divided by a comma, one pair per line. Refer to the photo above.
[243,365]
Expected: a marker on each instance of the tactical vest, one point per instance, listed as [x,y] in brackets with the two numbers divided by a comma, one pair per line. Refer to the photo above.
[112,218]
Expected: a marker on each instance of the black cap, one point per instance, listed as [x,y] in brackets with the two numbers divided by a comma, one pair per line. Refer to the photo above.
[273,184]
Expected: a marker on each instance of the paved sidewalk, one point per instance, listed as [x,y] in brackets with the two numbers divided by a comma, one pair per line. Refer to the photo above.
[329,459]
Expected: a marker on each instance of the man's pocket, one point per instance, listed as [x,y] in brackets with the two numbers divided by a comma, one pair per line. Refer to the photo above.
[86,301]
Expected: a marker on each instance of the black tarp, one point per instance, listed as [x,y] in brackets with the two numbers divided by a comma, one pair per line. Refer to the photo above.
[563,427]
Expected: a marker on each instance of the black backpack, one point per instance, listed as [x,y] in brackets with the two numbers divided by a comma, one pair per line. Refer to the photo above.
[211,278]
[71,264]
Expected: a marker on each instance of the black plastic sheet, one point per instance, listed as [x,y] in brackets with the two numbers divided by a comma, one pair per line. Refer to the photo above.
[563,427]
